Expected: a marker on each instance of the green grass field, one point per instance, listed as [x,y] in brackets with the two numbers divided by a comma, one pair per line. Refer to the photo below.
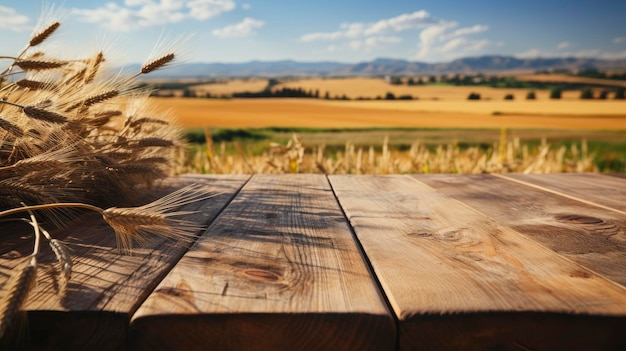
[608,147]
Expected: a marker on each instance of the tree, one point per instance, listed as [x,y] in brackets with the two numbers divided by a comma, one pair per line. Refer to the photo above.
[473,96]
[509,97]
[395,81]
[586,94]
[390,96]
[531,95]
[555,93]
[188,93]
[272,82]
[410,82]
[604,94]
[619,94]
[327,96]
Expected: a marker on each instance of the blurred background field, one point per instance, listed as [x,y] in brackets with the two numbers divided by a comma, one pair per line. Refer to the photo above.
[533,123]
[397,150]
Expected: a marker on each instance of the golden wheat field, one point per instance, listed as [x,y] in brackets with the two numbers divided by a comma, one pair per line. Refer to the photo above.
[230,86]
[564,78]
[319,113]
[354,88]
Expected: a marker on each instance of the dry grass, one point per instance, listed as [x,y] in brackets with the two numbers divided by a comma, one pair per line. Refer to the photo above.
[506,156]
[73,136]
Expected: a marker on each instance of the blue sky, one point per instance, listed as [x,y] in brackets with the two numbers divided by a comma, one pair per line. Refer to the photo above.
[334,30]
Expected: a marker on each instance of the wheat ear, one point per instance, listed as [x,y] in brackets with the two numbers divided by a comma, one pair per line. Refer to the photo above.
[62,254]
[44,34]
[18,288]
[157,64]
[135,223]
[37,65]
[11,128]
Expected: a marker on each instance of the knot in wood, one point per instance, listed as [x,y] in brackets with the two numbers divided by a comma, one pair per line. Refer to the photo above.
[578,219]
[261,275]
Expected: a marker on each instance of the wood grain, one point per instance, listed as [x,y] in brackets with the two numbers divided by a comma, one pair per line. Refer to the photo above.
[591,188]
[457,279]
[106,287]
[586,234]
[278,270]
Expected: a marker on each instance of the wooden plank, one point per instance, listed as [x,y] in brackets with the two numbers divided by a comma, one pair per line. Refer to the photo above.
[607,192]
[278,270]
[106,288]
[456,279]
[586,234]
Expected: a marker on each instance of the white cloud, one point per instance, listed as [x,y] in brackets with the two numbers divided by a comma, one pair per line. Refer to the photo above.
[619,40]
[136,2]
[13,21]
[590,53]
[530,53]
[146,13]
[478,45]
[356,45]
[438,38]
[241,29]
[453,44]
[370,43]
[614,55]
[321,36]
[374,41]
[406,21]
[469,30]
[435,33]
[563,45]
[445,41]
[246,6]
[205,9]
[418,19]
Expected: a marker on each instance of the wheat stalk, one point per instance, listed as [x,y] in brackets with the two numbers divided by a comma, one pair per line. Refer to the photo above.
[73,136]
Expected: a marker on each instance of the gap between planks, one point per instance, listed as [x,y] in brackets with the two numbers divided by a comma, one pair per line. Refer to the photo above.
[571,197]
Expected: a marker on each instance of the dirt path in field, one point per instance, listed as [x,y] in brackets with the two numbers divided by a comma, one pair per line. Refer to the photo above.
[242,113]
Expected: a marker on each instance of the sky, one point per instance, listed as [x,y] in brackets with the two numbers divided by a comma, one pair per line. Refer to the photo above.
[322,30]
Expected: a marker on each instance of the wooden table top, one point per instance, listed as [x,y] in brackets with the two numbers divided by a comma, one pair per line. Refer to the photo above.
[350,262]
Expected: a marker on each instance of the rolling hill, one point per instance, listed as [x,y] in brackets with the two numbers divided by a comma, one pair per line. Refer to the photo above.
[382,67]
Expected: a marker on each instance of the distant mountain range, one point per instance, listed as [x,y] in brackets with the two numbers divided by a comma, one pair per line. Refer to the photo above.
[382,67]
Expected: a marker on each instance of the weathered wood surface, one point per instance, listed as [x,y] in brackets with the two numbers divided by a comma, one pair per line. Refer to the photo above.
[279,269]
[420,262]
[106,287]
[457,279]
[589,235]
[600,190]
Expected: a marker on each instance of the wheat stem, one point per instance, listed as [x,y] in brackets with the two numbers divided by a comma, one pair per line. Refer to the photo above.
[33,221]
[49,206]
